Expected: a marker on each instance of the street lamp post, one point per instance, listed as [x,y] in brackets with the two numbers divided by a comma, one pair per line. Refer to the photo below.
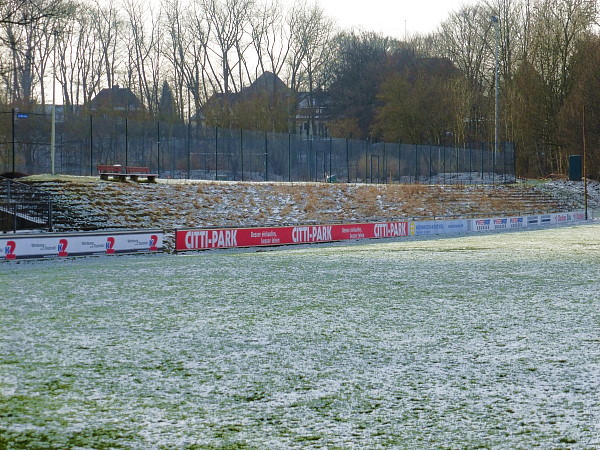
[585,186]
[53,129]
[496,22]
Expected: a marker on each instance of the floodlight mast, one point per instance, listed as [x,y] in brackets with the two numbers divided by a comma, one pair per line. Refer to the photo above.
[496,21]
[53,126]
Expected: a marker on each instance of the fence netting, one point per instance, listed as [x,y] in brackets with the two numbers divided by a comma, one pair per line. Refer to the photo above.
[187,150]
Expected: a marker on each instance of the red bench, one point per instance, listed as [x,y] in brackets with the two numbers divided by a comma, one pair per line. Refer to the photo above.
[136,172]
[120,173]
[108,171]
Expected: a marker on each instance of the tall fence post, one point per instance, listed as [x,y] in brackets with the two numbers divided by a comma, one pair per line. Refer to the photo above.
[289,157]
[385,177]
[216,153]
[482,162]
[444,165]
[158,148]
[348,160]
[126,142]
[430,164]
[367,162]
[317,167]
[416,163]
[494,164]
[399,159]
[91,145]
[173,148]
[189,146]
[310,159]
[242,152]
[514,157]
[330,158]
[13,139]
[457,150]
[266,158]
[504,161]
[470,164]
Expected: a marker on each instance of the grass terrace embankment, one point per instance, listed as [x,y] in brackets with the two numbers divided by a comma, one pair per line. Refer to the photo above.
[86,203]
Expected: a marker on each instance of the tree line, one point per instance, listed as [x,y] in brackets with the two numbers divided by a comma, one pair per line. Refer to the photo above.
[434,89]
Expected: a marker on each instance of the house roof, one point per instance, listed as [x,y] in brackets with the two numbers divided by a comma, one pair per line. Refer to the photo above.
[267,83]
[116,98]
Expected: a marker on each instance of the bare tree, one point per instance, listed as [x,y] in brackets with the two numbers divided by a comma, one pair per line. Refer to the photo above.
[360,65]
[311,35]
[228,21]
[512,21]
[186,48]
[25,12]
[559,26]
[81,59]
[580,115]
[108,25]
[24,29]
[466,38]
[557,30]
[174,50]
[22,39]
[270,37]
[144,39]
[203,74]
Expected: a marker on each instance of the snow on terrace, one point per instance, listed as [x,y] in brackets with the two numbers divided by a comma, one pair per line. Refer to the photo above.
[88,203]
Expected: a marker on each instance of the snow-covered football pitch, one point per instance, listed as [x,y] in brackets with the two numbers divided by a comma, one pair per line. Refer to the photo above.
[474,341]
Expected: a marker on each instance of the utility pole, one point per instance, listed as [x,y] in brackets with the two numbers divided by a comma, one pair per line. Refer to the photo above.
[496,23]
[585,186]
[53,129]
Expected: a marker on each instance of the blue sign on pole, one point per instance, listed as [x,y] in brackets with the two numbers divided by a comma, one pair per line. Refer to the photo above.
[22,116]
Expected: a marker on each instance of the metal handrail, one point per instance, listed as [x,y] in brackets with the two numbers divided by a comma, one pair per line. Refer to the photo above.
[11,189]
[23,207]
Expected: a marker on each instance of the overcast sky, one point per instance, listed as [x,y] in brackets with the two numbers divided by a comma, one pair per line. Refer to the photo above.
[390,17]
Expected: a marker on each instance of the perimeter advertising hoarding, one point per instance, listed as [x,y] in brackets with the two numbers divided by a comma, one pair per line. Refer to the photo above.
[79,244]
[432,227]
[203,239]
[515,222]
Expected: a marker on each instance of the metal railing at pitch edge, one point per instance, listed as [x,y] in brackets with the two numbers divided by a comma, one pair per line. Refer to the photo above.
[23,207]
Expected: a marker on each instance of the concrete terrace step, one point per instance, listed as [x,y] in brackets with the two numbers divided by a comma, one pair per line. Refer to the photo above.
[95,205]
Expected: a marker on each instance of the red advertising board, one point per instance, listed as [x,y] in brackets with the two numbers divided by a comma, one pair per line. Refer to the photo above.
[203,239]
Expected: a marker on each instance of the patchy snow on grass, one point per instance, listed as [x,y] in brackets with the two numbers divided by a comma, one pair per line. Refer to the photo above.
[488,340]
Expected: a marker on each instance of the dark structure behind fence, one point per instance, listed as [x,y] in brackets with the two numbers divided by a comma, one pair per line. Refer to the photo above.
[23,207]
[185,150]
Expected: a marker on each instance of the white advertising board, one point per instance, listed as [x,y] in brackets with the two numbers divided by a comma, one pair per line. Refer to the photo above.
[432,227]
[79,244]
[515,222]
